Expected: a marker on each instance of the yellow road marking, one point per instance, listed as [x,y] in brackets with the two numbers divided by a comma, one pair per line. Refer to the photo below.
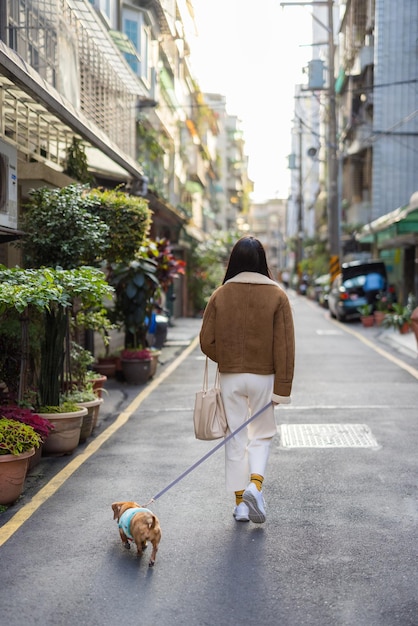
[411,370]
[59,479]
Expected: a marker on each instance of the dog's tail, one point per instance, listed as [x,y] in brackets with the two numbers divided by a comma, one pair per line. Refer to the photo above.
[151,522]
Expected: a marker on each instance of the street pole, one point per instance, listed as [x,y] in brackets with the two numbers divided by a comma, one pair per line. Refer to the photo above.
[332,192]
[333,210]
[300,204]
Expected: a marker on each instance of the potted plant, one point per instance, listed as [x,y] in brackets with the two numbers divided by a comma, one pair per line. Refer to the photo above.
[366,314]
[52,292]
[41,426]
[18,442]
[399,317]
[168,268]
[88,399]
[383,306]
[80,376]
[136,365]
[67,418]
[135,286]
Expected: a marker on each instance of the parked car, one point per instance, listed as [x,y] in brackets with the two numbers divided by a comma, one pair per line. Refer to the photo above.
[349,289]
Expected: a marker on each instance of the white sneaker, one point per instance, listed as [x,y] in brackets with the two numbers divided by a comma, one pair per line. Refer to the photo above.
[256,505]
[241,513]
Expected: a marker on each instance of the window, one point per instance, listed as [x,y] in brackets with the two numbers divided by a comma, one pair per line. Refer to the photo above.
[135,27]
[131,29]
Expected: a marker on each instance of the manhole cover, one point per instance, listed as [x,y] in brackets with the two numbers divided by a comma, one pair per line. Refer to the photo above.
[327,436]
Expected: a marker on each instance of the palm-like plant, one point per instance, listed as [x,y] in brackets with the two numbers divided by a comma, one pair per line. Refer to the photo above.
[136,285]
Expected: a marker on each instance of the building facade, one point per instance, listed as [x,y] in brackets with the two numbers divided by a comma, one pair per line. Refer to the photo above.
[378,105]
[374,90]
[114,76]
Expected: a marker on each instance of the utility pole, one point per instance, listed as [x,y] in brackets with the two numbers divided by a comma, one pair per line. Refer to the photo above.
[332,192]
[300,203]
[332,159]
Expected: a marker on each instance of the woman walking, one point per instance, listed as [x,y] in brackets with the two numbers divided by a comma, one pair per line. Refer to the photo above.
[248,330]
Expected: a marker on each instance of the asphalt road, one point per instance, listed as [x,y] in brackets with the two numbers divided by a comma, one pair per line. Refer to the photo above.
[339,547]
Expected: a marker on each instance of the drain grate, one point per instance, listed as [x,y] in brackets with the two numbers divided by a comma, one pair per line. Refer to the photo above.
[327,436]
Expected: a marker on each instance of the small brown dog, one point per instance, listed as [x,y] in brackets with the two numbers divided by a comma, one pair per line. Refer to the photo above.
[139,525]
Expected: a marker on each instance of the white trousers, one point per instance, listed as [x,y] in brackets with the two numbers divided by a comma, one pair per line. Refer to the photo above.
[247,453]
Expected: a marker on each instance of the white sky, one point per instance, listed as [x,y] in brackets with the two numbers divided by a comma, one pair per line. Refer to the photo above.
[249,51]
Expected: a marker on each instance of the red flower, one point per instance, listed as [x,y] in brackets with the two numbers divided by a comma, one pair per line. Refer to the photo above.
[41,425]
[139,355]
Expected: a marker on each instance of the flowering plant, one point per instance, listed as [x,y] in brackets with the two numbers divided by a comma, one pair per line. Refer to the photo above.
[168,267]
[40,425]
[16,437]
[400,314]
[139,354]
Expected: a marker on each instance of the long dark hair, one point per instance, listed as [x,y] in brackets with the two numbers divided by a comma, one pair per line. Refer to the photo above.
[247,255]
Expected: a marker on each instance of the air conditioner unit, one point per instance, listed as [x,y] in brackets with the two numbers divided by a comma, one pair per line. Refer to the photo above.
[8,185]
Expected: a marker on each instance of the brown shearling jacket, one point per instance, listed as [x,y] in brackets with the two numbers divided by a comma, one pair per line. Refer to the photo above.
[248,328]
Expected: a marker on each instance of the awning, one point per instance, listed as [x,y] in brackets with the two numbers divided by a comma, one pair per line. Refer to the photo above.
[395,229]
[9,234]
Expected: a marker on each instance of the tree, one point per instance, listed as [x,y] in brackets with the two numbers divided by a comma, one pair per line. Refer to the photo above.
[62,230]
[128,219]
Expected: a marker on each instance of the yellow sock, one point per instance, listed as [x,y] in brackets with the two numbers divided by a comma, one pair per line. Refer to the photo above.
[238,497]
[257,480]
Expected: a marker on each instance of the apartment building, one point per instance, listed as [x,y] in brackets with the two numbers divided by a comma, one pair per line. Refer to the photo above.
[378,106]
[61,78]
[116,77]
[267,222]
[374,88]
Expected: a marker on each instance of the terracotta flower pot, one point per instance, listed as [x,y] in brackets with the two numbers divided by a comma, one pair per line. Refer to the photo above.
[66,434]
[106,366]
[405,328]
[90,420]
[13,470]
[98,384]
[367,320]
[136,371]
[154,362]
[379,316]
[35,459]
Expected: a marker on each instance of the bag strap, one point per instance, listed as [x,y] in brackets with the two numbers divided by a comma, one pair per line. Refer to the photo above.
[205,375]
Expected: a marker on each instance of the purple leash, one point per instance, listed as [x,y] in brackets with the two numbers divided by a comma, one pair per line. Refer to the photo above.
[208,454]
